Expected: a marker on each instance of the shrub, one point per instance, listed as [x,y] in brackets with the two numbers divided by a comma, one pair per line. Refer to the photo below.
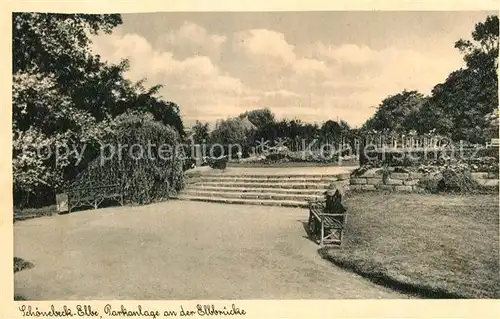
[20,264]
[459,181]
[144,177]
[218,163]
[487,152]
[452,180]
[188,164]
[483,164]
[277,158]
[430,183]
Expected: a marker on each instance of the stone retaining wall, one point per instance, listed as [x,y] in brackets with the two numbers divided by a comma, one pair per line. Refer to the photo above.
[405,182]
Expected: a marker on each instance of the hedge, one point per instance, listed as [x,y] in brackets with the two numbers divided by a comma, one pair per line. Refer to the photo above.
[145,178]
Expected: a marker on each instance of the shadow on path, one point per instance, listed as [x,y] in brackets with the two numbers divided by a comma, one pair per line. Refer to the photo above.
[308,234]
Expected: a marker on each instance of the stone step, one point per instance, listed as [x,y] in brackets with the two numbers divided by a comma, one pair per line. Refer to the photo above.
[256,190]
[244,179]
[265,185]
[252,195]
[263,202]
[276,176]
[488,182]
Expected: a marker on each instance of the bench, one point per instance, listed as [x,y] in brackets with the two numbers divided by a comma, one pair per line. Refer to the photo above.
[94,195]
[327,220]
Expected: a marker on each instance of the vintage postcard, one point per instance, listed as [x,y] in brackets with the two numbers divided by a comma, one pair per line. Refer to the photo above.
[275,161]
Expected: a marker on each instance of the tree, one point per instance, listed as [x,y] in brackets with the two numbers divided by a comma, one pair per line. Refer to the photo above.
[63,95]
[260,117]
[148,100]
[232,134]
[58,45]
[52,43]
[461,106]
[331,131]
[200,132]
[482,55]
[396,112]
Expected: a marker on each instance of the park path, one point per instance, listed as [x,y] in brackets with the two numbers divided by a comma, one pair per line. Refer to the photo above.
[180,250]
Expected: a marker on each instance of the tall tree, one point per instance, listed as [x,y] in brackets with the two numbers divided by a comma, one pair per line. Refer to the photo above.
[64,95]
[331,131]
[395,112]
[465,103]
[200,132]
[260,117]
[231,132]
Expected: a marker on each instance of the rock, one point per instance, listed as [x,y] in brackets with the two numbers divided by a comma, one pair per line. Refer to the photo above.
[403,188]
[368,187]
[410,182]
[385,187]
[374,181]
[400,175]
[391,181]
[358,181]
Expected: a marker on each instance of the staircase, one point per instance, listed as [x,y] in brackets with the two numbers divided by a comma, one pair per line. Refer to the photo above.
[270,190]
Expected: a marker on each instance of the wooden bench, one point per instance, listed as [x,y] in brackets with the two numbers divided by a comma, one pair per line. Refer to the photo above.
[94,195]
[328,219]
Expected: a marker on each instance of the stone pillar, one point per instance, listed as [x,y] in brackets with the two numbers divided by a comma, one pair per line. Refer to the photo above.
[197,154]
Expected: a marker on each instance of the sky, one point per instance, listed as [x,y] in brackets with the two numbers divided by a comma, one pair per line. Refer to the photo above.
[313,66]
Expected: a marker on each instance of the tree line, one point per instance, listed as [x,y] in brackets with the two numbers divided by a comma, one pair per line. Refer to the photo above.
[252,128]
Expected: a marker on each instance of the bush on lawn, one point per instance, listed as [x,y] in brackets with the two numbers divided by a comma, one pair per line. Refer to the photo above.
[453,181]
[487,152]
[277,158]
[20,264]
[483,160]
[483,164]
[218,163]
[145,172]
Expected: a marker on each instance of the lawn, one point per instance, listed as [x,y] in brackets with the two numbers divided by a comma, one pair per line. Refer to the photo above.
[437,246]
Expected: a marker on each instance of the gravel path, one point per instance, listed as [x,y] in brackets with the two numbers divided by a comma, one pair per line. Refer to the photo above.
[180,250]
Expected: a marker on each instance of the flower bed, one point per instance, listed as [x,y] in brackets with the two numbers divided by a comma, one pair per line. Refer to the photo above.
[427,178]
[480,160]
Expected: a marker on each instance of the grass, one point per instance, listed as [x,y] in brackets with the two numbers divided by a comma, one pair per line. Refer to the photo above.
[436,246]
[27,213]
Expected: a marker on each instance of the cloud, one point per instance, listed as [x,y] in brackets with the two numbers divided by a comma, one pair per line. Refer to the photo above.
[196,72]
[195,82]
[347,53]
[266,43]
[307,66]
[261,68]
[282,93]
[191,39]
[262,44]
